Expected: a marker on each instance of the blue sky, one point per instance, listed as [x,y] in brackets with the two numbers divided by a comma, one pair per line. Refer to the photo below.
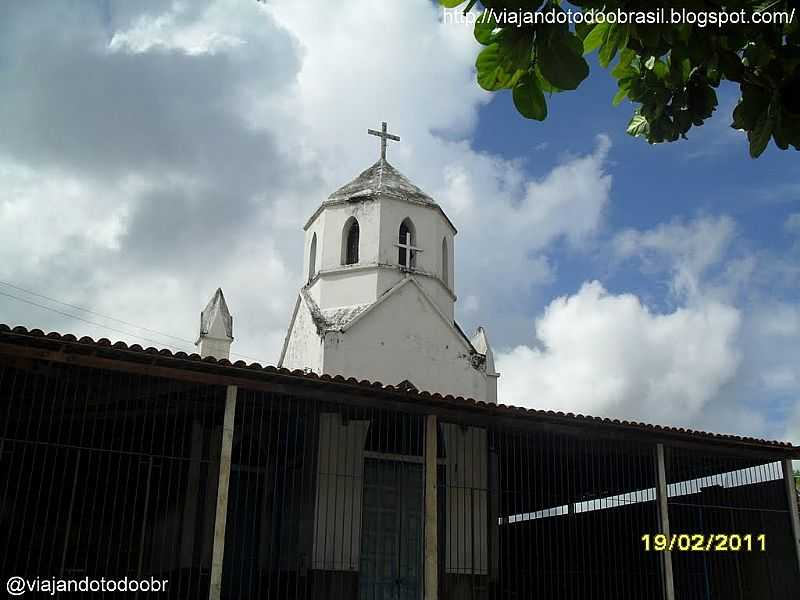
[710,175]
[154,151]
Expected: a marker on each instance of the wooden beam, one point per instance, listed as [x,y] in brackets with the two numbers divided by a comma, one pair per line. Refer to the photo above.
[794,511]
[663,521]
[431,591]
[218,551]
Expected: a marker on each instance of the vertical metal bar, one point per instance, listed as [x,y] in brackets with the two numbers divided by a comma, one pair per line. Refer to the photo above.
[142,537]
[69,511]
[791,497]
[243,485]
[222,494]
[431,524]
[663,521]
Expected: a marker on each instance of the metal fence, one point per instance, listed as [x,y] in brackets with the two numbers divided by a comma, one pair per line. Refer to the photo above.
[742,501]
[531,514]
[109,473]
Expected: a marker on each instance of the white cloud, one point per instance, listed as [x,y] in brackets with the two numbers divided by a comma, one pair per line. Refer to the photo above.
[792,223]
[606,354]
[180,28]
[208,132]
[687,249]
[172,148]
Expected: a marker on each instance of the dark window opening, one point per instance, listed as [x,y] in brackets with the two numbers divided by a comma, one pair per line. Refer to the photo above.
[351,250]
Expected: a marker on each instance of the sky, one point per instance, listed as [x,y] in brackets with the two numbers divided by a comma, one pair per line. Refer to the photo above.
[153,151]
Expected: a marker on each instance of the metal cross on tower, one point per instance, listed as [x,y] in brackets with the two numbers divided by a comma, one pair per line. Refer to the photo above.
[408,252]
[384,136]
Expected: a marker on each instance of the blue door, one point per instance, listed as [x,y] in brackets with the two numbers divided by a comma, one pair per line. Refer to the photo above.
[391,531]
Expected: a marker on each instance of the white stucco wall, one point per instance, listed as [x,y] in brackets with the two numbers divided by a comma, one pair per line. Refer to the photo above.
[430,228]
[304,346]
[404,338]
[350,285]
[331,222]
[377,269]
[216,347]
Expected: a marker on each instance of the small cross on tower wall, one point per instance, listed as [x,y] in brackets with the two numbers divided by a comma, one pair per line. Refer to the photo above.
[409,251]
[384,136]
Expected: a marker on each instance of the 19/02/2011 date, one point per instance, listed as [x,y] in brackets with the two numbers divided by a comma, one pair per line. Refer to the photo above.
[700,542]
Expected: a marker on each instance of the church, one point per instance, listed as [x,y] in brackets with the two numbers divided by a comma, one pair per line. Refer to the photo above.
[375,460]
[378,298]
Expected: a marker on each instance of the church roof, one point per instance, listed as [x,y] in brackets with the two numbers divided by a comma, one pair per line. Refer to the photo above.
[332,319]
[381,179]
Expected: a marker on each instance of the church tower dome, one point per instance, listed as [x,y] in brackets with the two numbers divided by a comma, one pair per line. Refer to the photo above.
[380,252]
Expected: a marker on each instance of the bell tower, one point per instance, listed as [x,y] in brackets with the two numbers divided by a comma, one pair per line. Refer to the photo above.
[379,240]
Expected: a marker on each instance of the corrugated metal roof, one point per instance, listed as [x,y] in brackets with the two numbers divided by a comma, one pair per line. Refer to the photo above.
[402,392]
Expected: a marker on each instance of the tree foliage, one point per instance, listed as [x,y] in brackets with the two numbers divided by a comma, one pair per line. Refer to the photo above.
[669,71]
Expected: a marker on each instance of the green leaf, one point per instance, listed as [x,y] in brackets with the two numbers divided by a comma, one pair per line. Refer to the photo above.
[758,54]
[661,69]
[583,29]
[616,37]
[491,74]
[515,51]
[638,126]
[753,103]
[560,61]
[621,94]
[780,136]
[595,38]
[529,99]
[484,28]
[451,3]
[625,67]
[648,35]
[760,134]
[544,85]
[621,72]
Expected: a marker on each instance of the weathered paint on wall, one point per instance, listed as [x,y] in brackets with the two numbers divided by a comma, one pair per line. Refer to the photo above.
[404,338]
[340,471]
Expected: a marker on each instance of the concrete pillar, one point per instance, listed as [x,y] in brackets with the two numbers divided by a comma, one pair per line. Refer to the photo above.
[663,521]
[794,516]
[431,505]
[218,552]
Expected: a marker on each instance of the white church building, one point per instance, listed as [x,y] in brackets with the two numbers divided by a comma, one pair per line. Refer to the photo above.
[378,296]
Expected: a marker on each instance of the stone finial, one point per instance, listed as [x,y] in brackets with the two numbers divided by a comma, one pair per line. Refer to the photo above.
[216,328]
[480,341]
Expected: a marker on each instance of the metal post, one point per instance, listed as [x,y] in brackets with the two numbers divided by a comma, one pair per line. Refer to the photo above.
[431,522]
[218,551]
[791,493]
[663,521]
[189,525]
